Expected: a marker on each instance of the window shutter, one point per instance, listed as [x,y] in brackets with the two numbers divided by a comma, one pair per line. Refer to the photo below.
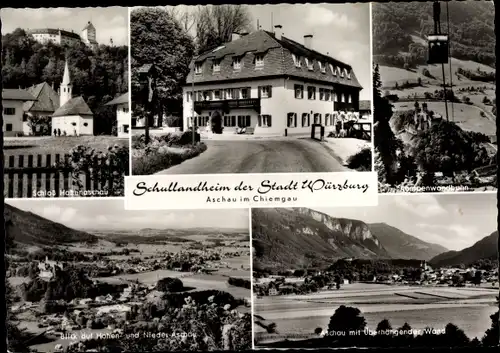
[259,120]
[233,120]
[260,91]
[269,122]
[248,121]
[270,91]
[249,90]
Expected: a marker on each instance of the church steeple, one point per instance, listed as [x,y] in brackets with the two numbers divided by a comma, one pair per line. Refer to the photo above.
[66,86]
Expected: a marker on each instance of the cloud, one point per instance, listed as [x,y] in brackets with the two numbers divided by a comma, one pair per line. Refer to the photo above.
[58,214]
[319,16]
[421,205]
[346,55]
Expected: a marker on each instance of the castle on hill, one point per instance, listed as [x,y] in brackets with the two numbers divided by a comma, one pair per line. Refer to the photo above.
[63,37]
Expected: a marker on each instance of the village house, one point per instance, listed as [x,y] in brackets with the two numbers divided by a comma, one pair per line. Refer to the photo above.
[13,113]
[48,268]
[269,84]
[46,103]
[123,117]
[74,116]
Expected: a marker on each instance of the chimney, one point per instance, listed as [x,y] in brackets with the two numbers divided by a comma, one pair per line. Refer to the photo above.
[278,31]
[308,38]
[235,36]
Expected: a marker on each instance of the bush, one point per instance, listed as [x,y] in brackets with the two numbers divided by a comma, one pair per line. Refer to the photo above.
[158,157]
[239,282]
[177,300]
[104,168]
[169,284]
[361,161]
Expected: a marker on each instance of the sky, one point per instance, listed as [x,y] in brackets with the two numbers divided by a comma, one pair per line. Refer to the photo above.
[110,22]
[342,31]
[455,221]
[110,214]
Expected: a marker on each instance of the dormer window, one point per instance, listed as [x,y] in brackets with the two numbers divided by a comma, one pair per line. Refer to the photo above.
[309,64]
[322,67]
[259,60]
[198,68]
[341,72]
[216,66]
[296,60]
[332,69]
[237,63]
[348,75]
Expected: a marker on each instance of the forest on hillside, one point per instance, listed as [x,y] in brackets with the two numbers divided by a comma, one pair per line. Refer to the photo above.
[472,29]
[98,76]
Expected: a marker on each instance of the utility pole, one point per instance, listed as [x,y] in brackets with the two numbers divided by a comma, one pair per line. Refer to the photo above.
[437,29]
[193,132]
[449,58]
[147,77]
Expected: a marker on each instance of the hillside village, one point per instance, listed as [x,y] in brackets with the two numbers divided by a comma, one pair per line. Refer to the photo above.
[85,296]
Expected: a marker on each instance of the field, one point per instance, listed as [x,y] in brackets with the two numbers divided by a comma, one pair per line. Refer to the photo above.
[14,146]
[466,116]
[469,308]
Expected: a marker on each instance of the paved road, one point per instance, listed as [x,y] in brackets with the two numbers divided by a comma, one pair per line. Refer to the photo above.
[280,155]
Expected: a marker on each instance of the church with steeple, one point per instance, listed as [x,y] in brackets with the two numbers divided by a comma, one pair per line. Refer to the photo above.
[73,117]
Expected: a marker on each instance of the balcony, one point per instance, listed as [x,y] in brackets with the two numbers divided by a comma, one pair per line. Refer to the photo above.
[343,106]
[227,105]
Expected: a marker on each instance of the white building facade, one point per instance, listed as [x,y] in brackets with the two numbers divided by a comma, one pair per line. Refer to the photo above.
[13,112]
[255,89]
[56,36]
[123,115]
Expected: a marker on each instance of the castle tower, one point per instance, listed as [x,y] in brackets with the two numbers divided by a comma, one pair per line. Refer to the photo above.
[65,91]
[89,35]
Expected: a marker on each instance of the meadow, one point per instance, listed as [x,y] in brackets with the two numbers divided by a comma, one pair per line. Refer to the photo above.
[469,308]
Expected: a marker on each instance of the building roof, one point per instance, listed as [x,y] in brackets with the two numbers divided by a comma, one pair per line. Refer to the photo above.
[365,105]
[123,99]
[88,25]
[47,99]
[54,31]
[66,78]
[278,61]
[17,95]
[75,106]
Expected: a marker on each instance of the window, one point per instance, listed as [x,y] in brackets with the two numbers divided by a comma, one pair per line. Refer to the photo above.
[73,123]
[265,91]
[322,67]
[25,117]
[236,63]
[8,127]
[125,128]
[199,96]
[243,120]
[207,95]
[349,98]
[309,64]
[321,94]
[264,121]
[348,74]
[342,98]
[259,60]
[228,93]
[9,111]
[230,120]
[317,118]
[296,60]
[198,68]
[327,119]
[245,93]
[332,95]
[332,69]
[125,109]
[335,97]
[85,124]
[327,94]
[188,96]
[292,120]
[216,66]
[305,120]
[311,92]
[217,94]
[299,91]
[341,72]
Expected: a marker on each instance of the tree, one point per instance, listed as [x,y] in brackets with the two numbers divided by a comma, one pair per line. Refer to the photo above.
[347,319]
[215,24]
[455,337]
[159,39]
[478,276]
[492,335]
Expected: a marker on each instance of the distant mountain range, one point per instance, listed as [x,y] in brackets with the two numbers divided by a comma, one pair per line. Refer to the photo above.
[291,238]
[486,248]
[28,228]
[31,229]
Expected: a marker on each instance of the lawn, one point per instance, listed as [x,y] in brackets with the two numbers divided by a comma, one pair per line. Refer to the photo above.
[57,145]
